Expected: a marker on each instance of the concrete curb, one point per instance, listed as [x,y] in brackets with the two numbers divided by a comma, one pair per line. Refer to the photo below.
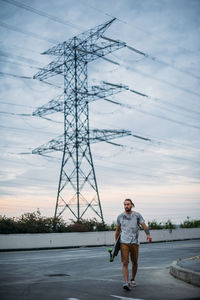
[186,275]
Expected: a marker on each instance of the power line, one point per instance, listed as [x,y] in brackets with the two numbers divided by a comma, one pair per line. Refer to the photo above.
[133,69]
[152,98]
[27,77]
[155,140]
[15,46]
[146,55]
[15,114]
[56,19]
[15,75]
[41,13]
[129,169]
[19,64]
[149,113]
[161,80]
[137,27]
[175,111]
[21,58]
[26,130]
[166,118]
[167,103]
[155,59]
[123,105]
[127,106]
[14,104]
[26,32]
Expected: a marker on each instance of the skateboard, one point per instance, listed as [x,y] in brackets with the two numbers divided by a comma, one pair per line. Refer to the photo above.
[115,250]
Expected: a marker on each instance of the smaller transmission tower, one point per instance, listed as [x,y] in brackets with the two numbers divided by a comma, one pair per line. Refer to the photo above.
[77,189]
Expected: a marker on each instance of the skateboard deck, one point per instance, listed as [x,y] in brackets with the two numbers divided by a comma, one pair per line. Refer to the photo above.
[115,250]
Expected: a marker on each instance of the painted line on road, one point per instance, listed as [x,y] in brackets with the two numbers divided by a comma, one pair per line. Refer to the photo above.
[119,297]
[125,298]
[161,267]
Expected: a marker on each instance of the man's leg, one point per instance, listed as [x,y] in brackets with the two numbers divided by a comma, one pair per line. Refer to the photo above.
[125,271]
[134,259]
[125,261]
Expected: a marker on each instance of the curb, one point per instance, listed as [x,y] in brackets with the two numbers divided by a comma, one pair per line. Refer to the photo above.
[186,275]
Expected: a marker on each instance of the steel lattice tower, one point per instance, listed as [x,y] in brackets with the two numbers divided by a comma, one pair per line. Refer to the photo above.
[77,188]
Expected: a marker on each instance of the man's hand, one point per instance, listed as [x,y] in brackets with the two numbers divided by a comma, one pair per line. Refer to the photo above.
[149,238]
[146,230]
[117,232]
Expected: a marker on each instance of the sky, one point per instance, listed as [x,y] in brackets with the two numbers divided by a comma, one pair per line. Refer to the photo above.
[160,175]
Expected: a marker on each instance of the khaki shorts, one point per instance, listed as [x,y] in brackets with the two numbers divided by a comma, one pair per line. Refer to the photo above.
[131,250]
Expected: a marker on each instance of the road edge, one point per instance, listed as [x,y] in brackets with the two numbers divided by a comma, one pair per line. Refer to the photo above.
[183,274]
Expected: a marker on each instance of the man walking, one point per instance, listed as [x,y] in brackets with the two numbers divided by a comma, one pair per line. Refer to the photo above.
[128,228]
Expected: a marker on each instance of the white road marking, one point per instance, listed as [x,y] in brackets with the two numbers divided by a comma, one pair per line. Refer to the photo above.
[125,298]
[160,267]
[72,299]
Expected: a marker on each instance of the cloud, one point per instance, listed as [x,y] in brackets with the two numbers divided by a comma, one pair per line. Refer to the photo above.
[168,33]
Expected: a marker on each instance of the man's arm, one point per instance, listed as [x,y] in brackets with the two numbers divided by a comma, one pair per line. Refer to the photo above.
[117,232]
[146,230]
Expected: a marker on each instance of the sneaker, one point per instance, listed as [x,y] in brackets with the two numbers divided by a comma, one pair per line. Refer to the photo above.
[132,283]
[126,286]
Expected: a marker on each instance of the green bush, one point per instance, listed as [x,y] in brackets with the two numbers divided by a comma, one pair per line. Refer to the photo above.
[86,225]
[162,225]
[31,223]
[154,225]
[35,223]
[8,225]
[190,223]
[112,227]
[169,225]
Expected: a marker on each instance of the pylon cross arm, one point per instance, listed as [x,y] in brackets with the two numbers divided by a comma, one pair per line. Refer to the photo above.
[54,105]
[97,135]
[95,51]
[52,69]
[53,145]
[94,93]
[103,90]
[91,36]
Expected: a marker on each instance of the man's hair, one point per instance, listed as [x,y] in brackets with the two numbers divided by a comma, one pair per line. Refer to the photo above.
[129,201]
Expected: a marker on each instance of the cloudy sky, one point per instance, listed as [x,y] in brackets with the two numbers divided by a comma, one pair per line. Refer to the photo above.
[162,176]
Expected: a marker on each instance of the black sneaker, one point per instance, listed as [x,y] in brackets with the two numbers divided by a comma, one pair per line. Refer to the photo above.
[126,286]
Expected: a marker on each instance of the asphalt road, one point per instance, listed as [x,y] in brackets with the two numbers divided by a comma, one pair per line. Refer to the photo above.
[87,274]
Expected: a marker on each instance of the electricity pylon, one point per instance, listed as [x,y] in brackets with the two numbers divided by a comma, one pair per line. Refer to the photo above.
[77,188]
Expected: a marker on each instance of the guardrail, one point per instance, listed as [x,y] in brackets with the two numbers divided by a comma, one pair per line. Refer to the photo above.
[85,239]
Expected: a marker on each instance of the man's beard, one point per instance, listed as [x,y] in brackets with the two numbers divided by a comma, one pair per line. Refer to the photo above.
[128,209]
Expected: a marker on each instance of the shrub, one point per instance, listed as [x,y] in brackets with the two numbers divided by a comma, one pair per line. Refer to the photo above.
[154,225]
[112,227]
[31,223]
[86,225]
[8,225]
[190,223]
[35,223]
[169,225]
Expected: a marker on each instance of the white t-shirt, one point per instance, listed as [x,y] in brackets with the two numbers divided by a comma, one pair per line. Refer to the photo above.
[129,224]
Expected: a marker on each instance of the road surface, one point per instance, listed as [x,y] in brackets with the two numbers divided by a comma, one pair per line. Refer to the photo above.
[87,274]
